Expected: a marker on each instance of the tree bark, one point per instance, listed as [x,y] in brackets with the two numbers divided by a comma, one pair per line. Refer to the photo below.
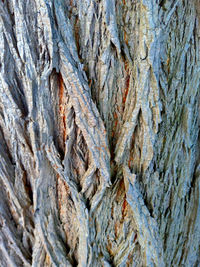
[99,133]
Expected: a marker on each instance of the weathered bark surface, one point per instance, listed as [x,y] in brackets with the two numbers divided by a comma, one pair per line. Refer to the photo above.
[99,146]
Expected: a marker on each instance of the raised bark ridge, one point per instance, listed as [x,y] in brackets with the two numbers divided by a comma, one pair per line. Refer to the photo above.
[99,133]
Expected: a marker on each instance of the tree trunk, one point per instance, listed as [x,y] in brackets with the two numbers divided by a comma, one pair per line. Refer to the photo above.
[99,133]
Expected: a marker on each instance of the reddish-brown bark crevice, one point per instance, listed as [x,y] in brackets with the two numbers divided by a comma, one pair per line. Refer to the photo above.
[126,89]
[62,108]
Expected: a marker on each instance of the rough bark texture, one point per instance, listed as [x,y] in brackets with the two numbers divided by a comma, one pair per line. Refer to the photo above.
[99,126]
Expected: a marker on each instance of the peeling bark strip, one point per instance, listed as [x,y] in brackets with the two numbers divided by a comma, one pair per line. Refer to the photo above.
[99,133]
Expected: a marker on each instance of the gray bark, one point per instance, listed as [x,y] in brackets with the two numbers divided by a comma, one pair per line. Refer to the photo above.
[99,133]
